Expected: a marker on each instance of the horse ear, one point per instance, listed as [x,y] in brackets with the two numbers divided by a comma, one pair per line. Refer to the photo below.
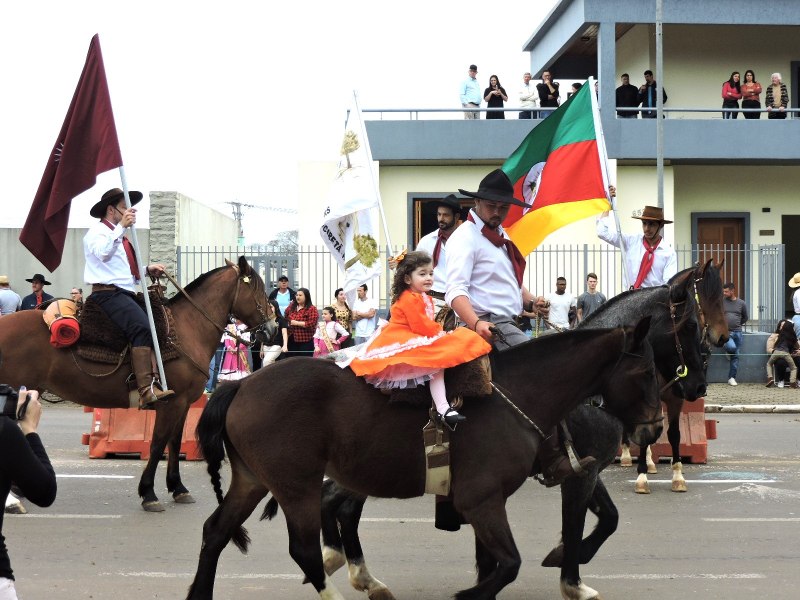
[720,263]
[244,268]
[229,263]
[642,329]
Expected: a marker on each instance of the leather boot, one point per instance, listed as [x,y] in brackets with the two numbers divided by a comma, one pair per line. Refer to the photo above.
[149,394]
[555,464]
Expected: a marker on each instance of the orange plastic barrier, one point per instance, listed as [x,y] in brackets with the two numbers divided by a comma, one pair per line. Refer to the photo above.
[130,431]
[695,433]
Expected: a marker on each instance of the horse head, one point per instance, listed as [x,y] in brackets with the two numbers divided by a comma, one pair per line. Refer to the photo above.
[250,303]
[685,338]
[708,293]
[630,392]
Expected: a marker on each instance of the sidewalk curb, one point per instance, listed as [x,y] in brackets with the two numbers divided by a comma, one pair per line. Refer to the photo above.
[753,408]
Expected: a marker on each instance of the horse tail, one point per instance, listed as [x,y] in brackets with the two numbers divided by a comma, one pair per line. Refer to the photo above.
[211,432]
[270,509]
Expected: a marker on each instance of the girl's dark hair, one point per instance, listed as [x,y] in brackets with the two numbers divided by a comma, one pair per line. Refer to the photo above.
[330,310]
[307,294]
[736,84]
[411,262]
[785,331]
[347,306]
[498,81]
[751,73]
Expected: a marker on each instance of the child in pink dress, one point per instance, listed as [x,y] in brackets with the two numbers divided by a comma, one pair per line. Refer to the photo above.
[329,334]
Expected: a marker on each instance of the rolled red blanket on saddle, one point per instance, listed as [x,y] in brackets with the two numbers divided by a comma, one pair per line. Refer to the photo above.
[64,332]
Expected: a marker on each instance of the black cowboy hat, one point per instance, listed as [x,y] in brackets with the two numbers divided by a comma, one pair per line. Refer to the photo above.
[495,187]
[651,213]
[113,196]
[40,278]
[450,201]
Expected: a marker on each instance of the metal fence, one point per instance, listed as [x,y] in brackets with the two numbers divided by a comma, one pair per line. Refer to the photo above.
[757,270]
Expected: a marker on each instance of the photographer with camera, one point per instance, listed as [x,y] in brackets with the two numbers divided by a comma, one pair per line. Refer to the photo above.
[23,462]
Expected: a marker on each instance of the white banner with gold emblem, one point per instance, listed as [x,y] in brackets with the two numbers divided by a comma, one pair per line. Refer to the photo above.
[350,220]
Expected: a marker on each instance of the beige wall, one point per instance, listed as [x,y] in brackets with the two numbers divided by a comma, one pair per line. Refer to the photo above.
[698,59]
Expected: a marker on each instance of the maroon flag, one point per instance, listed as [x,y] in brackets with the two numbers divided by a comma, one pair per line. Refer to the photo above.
[86,146]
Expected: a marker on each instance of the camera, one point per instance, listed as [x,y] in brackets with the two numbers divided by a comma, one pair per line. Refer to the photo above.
[9,403]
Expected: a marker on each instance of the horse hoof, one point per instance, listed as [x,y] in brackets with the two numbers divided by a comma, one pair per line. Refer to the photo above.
[381,594]
[642,487]
[678,486]
[626,462]
[578,592]
[555,558]
[154,506]
[651,469]
[184,498]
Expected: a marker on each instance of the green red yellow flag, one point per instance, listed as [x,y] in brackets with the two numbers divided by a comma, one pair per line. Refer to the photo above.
[559,170]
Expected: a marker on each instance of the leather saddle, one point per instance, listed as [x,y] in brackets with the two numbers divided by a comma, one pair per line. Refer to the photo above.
[103,341]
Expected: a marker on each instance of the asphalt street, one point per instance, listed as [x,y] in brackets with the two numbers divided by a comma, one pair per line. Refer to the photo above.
[733,535]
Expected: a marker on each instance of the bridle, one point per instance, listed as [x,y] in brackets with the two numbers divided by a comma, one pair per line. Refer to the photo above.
[240,279]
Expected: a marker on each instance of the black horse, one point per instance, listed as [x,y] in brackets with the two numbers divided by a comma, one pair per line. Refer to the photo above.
[675,334]
[321,419]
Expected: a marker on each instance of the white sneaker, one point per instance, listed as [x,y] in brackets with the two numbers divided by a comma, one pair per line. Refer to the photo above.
[780,383]
[732,381]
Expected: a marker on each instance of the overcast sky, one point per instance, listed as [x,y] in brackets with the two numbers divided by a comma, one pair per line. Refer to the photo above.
[221,100]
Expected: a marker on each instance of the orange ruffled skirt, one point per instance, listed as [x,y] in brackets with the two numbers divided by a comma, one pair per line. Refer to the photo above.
[398,358]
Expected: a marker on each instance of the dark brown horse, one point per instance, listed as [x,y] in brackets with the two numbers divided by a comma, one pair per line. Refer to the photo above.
[322,419]
[29,359]
[705,286]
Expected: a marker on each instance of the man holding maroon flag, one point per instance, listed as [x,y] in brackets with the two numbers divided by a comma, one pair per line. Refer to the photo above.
[113,271]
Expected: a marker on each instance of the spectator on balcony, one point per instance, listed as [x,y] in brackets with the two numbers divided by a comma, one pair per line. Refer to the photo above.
[471,93]
[574,89]
[528,96]
[751,94]
[495,95]
[777,98]
[627,97]
[731,94]
[647,95]
[548,94]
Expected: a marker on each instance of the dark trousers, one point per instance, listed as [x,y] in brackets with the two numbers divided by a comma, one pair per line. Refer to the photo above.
[776,114]
[727,114]
[526,114]
[751,104]
[122,308]
[299,348]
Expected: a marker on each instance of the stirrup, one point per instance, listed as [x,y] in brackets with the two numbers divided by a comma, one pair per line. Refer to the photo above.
[451,418]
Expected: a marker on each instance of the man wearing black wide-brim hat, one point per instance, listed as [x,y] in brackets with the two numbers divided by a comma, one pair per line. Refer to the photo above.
[448,217]
[649,261]
[38,296]
[113,271]
[484,287]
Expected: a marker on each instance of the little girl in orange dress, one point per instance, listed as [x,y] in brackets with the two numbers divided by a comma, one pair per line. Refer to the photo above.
[412,348]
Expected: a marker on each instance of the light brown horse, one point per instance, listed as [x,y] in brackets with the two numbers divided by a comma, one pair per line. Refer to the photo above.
[29,359]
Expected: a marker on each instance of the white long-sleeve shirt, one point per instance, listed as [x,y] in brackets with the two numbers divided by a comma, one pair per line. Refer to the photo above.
[665,261]
[106,261]
[796,301]
[481,271]
[427,243]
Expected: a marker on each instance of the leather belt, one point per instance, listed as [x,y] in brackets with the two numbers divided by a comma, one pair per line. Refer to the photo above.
[102,287]
[437,295]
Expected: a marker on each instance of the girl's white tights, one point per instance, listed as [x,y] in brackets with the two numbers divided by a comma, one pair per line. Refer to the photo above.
[439,394]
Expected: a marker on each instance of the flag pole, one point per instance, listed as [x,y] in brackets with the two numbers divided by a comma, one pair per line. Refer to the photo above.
[601,148]
[143,283]
[372,175]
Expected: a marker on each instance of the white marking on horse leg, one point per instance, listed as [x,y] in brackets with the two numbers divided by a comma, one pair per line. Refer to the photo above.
[642,487]
[651,466]
[678,482]
[363,581]
[578,592]
[625,458]
[329,592]
[332,559]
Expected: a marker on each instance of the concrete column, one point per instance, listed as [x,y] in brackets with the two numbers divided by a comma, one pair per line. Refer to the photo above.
[164,229]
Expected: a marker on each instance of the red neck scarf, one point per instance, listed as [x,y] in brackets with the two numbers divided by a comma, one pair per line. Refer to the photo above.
[129,252]
[647,262]
[514,255]
[441,238]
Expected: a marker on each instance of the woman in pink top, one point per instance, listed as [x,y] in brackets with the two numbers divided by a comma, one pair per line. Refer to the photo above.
[751,94]
[731,94]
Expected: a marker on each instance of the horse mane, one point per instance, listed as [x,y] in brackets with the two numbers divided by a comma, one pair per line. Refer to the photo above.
[192,285]
[552,344]
[612,302]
